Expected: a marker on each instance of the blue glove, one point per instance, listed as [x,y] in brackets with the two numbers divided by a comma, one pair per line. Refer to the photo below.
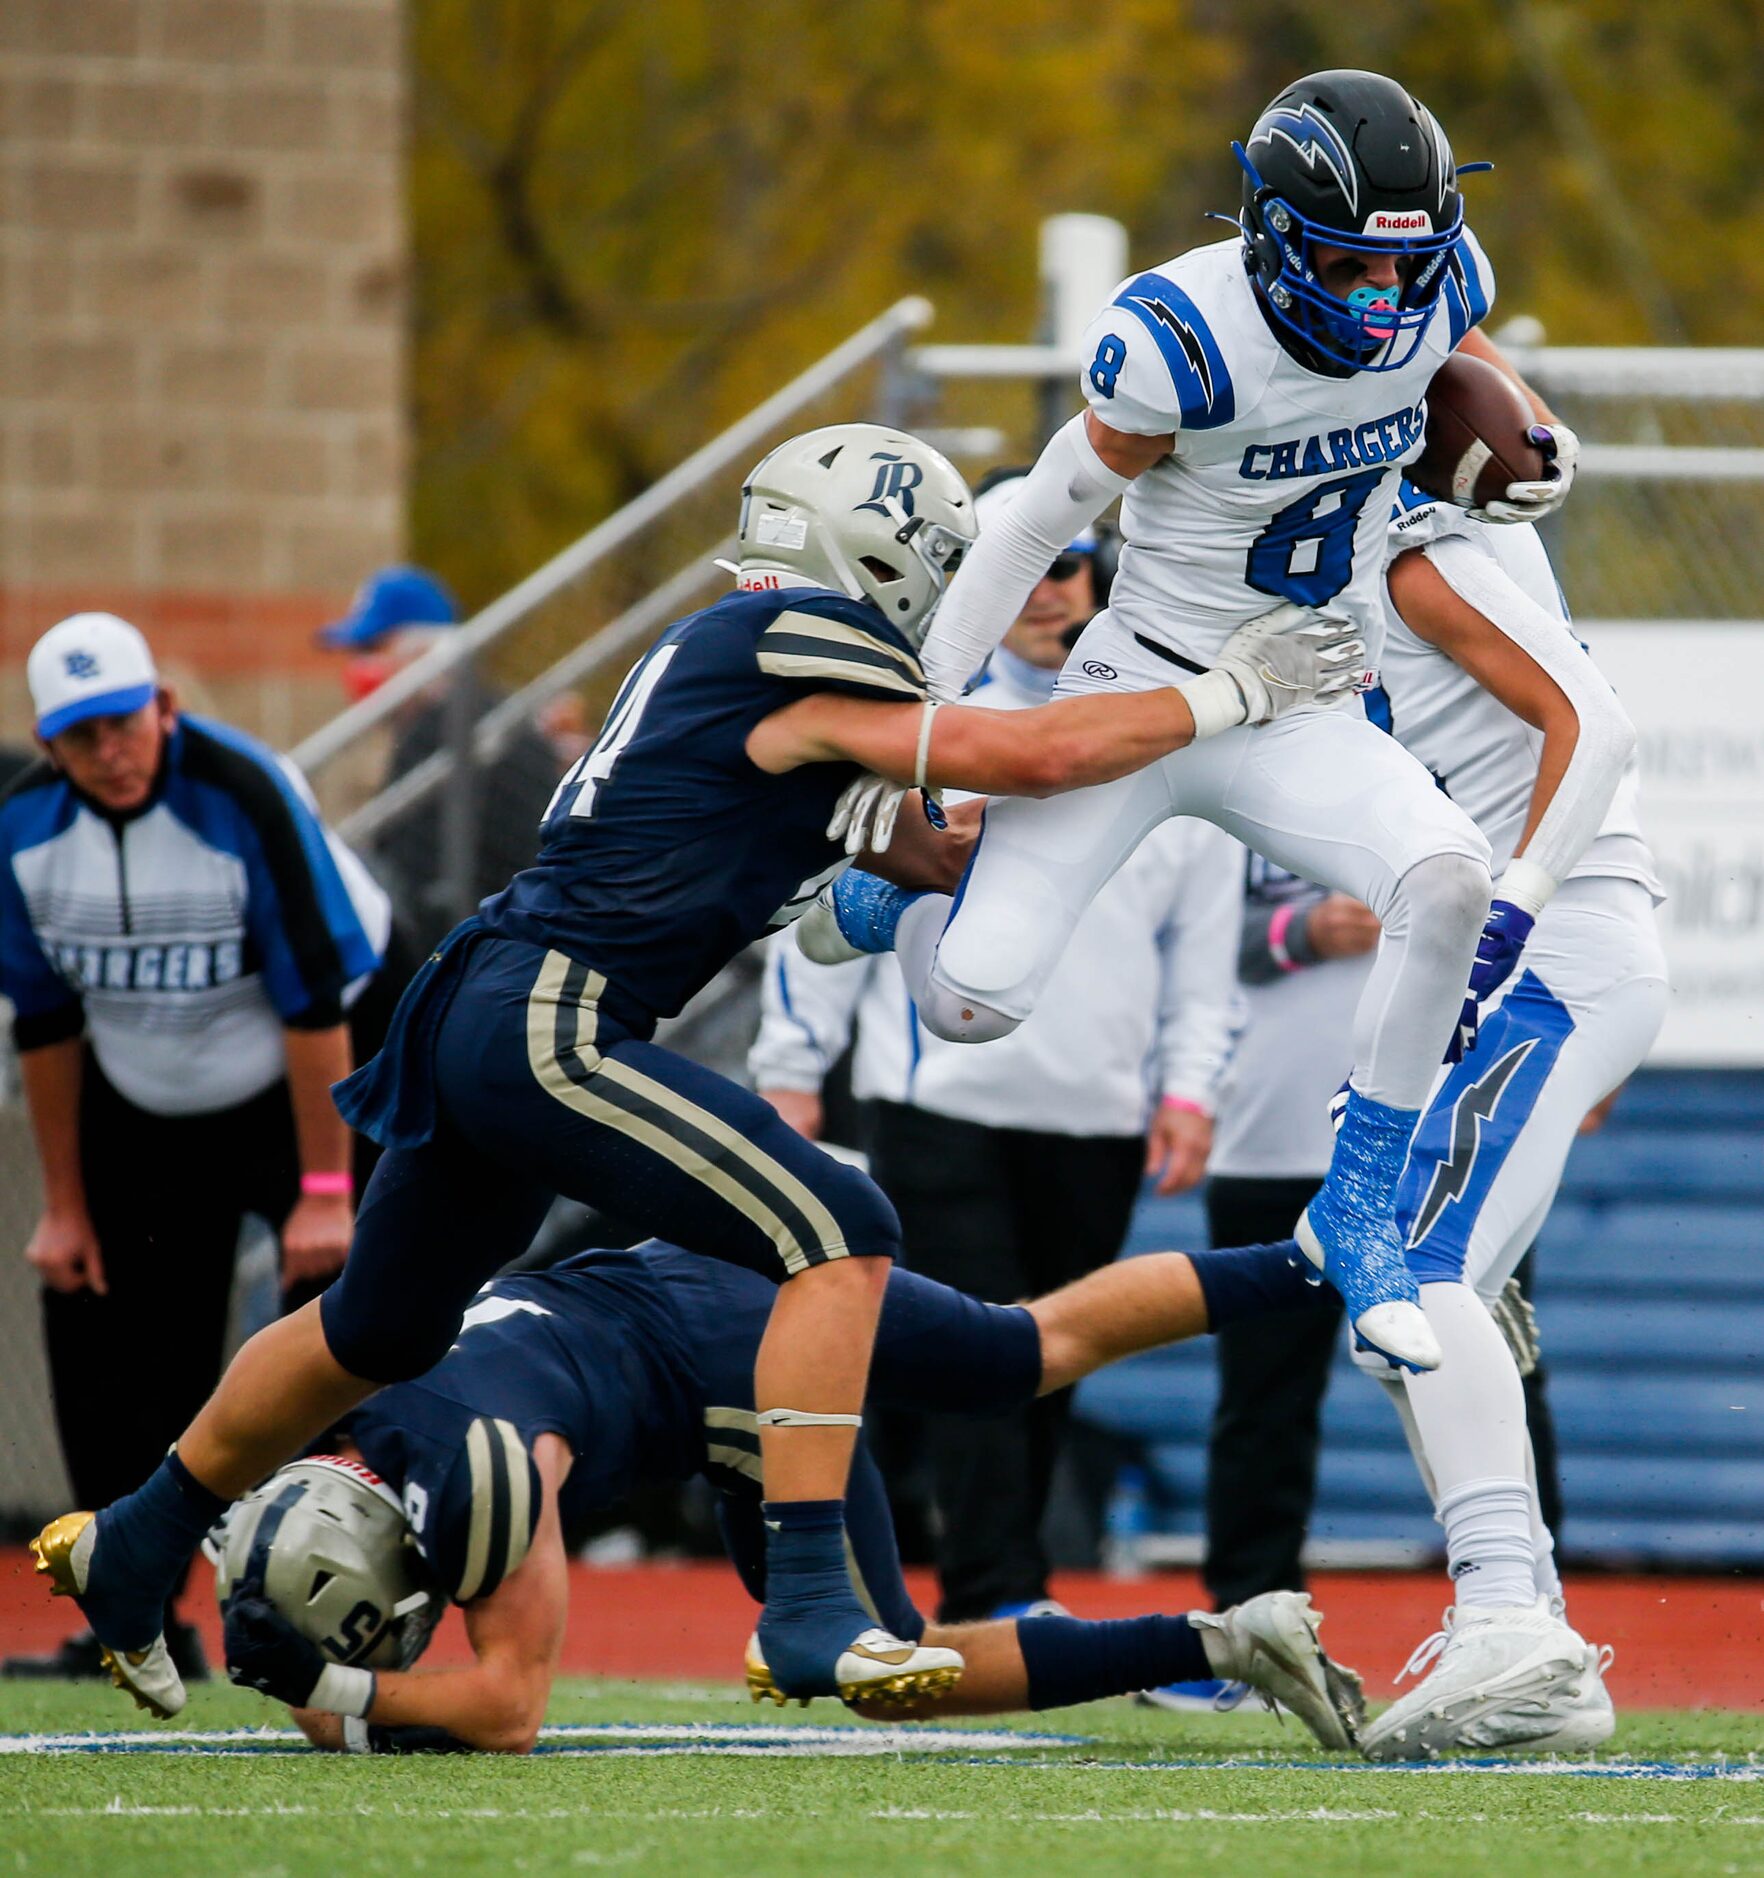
[266,1653]
[1497,954]
[1497,951]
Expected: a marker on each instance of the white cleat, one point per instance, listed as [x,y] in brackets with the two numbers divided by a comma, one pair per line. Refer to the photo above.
[1510,1678]
[1395,1328]
[878,1671]
[819,936]
[63,1551]
[1271,1643]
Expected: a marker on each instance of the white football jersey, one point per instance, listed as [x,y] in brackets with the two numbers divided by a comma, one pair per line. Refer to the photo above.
[1483,756]
[1281,479]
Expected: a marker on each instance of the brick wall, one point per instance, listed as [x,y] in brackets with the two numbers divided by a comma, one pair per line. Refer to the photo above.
[201,324]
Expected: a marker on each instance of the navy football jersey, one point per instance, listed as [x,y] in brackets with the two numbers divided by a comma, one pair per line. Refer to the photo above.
[665,851]
[591,1351]
[642,1362]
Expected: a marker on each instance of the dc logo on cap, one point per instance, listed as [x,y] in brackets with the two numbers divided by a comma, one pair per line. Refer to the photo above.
[81,665]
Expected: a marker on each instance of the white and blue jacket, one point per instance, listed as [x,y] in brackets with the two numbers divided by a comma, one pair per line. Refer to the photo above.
[185,937]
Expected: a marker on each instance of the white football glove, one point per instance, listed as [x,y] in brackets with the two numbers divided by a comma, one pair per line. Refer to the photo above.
[1287,657]
[865,814]
[1531,502]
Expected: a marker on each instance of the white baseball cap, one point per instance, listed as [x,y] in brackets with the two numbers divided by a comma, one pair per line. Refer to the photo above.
[89,665]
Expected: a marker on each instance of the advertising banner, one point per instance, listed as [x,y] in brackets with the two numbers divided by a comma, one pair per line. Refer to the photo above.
[1695,690]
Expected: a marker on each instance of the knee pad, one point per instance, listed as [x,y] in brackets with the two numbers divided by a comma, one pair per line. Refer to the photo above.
[1446,898]
[958,1017]
[384,1346]
[865,1215]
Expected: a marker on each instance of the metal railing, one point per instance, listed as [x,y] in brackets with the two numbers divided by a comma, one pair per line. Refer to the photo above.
[467,743]
[883,335]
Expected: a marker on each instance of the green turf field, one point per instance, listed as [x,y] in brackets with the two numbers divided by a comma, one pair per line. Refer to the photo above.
[1113,1804]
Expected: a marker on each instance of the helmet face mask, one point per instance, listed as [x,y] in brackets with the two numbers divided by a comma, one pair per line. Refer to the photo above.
[1349,160]
[329,1544]
[866,511]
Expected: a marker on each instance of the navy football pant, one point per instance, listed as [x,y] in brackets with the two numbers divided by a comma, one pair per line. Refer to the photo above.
[539,1090]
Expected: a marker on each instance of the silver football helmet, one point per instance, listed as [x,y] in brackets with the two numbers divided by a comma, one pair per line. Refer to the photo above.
[329,1542]
[870,512]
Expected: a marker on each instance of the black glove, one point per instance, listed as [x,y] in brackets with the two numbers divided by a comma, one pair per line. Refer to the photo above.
[266,1653]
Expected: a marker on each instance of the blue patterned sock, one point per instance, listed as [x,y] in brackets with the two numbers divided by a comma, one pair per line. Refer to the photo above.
[868,909]
[1069,1660]
[1256,1280]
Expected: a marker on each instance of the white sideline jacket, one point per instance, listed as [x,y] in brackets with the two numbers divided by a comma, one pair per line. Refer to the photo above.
[1141,1006]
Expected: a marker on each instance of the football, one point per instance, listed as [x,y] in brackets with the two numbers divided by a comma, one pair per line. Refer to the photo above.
[1477,441]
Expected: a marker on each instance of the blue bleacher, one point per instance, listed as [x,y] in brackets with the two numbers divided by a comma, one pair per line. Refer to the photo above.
[1650,1292]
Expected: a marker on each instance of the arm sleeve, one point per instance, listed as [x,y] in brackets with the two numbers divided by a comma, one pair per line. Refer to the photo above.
[1066,491]
[806,1015]
[1607,738]
[1198,1012]
[45,1008]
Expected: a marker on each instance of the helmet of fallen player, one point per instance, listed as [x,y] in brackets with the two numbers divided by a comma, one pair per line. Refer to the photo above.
[329,1544]
[1349,160]
[871,512]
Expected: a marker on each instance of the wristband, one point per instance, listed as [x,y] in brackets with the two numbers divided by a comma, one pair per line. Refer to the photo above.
[341,1690]
[1525,885]
[355,1736]
[1186,1107]
[1216,702]
[327,1183]
[927,716]
[1278,949]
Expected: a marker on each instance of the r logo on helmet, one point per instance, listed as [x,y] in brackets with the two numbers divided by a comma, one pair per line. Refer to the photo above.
[896,479]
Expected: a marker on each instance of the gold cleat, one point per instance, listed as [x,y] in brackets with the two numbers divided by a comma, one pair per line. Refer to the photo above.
[906,1691]
[63,1551]
[760,1686]
[878,1670]
[53,1550]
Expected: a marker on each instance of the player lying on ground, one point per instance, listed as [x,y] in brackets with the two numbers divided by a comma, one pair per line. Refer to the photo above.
[617,1370]
[758,746]
[1486,683]
[1250,401]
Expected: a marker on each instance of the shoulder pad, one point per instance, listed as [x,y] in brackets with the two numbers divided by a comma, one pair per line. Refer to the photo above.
[1153,363]
[820,644]
[488,1509]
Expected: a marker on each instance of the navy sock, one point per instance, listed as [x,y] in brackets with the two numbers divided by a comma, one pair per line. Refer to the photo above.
[805,1550]
[1256,1280]
[812,1613]
[144,1543]
[1069,1660]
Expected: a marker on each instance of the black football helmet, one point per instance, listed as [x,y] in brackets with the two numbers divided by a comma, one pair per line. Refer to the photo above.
[1350,160]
